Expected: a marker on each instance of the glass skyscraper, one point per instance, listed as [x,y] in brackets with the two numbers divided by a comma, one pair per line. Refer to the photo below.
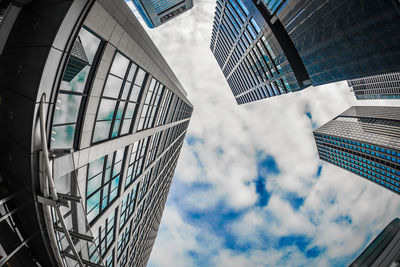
[96,121]
[366,141]
[383,86]
[250,55]
[267,48]
[157,12]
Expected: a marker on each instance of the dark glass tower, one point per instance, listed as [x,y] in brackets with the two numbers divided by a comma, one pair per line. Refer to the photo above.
[366,141]
[384,250]
[257,60]
[383,86]
[310,42]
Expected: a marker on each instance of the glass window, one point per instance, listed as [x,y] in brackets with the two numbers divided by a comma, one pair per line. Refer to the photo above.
[151,104]
[103,182]
[164,107]
[120,98]
[127,207]
[105,234]
[136,160]
[124,239]
[152,148]
[110,260]
[72,91]
[144,185]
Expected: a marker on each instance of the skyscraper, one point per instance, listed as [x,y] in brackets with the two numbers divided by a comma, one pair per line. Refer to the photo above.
[384,250]
[93,120]
[157,12]
[383,86]
[256,63]
[366,141]
[266,48]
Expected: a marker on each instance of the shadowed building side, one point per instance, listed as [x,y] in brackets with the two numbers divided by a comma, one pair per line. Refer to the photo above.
[384,250]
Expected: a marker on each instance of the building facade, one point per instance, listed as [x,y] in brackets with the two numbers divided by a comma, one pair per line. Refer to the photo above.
[157,12]
[251,57]
[366,141]
[384,250]
[266,48]
[383,86]
[93,121]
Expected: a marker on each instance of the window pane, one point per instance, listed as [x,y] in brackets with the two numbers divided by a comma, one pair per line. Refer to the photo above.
[113,86]
[127,86]
[67,108]
[101,131]
[132,72]
[120,110]
[106,109]
[135,93]
[62,136]
[130,110]
[119,65]
[94,184]
[96,167]
[126,126]
[90,44]
[140,77]
[115,131]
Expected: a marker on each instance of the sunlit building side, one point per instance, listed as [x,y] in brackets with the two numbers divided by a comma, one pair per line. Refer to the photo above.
[364,140]
[383,86]
[93,121]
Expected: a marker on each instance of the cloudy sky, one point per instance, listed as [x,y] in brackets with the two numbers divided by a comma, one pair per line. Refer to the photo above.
[249,189]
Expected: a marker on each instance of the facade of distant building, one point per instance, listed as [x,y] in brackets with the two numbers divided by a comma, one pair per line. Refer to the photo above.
[267,48]
[366,141]
[157,12]
[384,250]
[383,86]
[93,121]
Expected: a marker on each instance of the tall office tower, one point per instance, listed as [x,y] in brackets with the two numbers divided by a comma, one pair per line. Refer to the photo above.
[266,48]
[92,123]
[384,250]
[366,141]
[157,12]
[257,61]
[383,86]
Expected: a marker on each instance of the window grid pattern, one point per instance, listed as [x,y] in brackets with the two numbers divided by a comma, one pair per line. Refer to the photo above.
[153,147]
[241,48]
[144,185]
[110,260]
[349,155]
[105,234]
[151,104]
[164,107]
[124,240]
[127,207]
[103,183]
[136,160]
[119,101]
[73,89]
[151,219]
[384,86]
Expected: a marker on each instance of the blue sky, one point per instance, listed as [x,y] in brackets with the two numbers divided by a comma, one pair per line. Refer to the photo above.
[249,188]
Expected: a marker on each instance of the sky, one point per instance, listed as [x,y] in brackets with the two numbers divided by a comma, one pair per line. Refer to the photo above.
[249,188]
